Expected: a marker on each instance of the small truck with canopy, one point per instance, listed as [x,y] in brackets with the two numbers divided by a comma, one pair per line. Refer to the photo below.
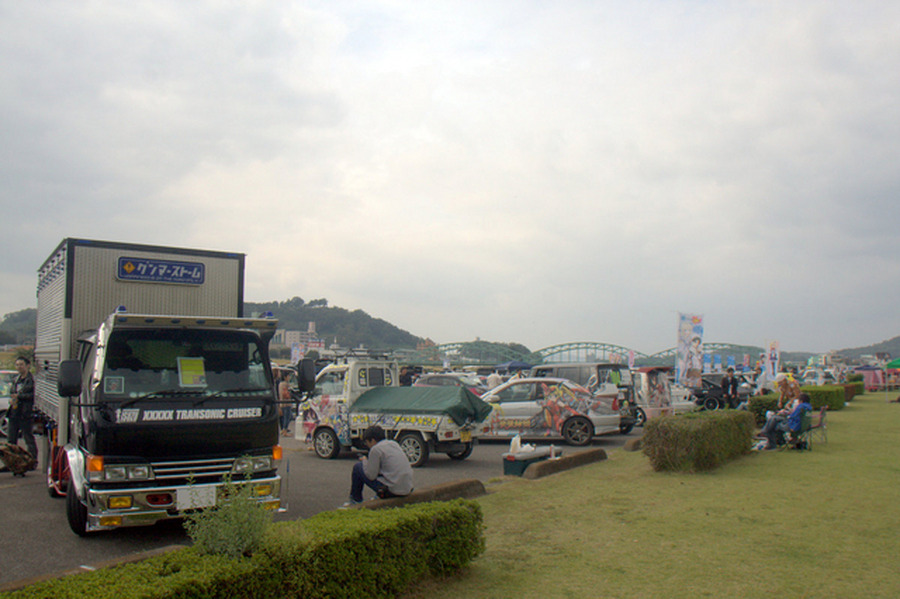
[357,393]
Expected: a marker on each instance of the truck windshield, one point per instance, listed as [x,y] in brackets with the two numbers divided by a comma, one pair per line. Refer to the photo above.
[153,362]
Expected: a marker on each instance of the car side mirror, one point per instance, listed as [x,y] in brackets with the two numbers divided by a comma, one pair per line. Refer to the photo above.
[68,378]
[306,375]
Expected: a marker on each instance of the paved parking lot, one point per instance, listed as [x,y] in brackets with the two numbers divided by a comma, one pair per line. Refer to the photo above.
[34,527]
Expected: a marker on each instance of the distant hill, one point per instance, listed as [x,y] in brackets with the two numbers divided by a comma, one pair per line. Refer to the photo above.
[355,328]
[891,346]
[350,329]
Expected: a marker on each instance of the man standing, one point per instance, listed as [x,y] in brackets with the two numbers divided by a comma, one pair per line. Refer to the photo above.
[21,407]
[494,380]
[729,389]
[386,471]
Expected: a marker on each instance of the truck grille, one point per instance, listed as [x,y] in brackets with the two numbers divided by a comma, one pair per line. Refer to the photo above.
[197,470]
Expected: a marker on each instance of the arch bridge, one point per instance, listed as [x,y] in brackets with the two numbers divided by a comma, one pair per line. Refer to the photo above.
[488,353]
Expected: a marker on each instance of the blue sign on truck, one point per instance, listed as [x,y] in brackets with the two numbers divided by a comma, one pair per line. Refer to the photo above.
[160,271]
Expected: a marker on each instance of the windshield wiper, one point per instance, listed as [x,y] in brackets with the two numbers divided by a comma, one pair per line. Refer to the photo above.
[217,394]
[160,393]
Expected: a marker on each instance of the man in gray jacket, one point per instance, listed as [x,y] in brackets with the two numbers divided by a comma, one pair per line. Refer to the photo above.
[386,470]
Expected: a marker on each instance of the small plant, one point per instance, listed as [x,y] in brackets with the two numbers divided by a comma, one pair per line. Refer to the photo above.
[234,527]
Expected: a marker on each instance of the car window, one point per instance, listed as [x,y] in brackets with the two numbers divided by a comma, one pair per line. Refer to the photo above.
[517,392]
[331,383]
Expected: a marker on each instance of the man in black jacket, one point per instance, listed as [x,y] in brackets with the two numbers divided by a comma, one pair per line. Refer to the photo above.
[730,389]
[21,407]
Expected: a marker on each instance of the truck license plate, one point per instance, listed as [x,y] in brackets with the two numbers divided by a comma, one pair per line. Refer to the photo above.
[465,436]
[190,498]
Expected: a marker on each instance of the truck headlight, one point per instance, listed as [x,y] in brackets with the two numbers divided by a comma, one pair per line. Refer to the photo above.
[117,472]
[249,465]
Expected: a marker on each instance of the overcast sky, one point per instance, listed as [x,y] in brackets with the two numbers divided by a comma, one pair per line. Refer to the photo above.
[536,172]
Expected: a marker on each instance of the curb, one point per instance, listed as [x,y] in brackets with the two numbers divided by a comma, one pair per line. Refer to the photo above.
[566,462]
[466,489]
[633,445]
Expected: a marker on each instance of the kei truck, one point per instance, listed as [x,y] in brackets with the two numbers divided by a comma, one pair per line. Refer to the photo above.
[355,393]
[157,391]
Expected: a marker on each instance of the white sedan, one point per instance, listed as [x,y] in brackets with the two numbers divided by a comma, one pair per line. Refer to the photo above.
[548,408]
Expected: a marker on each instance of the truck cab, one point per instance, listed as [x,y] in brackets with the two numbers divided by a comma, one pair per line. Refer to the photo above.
[326,414]
[161,412]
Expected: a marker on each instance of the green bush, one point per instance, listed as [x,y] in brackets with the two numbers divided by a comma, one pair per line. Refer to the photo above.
[825,395]
[352,553]
[698,441]
[234,527]
[760,404]
[854,378]
[851,390]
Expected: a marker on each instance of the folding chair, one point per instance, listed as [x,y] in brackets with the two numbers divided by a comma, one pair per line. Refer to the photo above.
[802,439]
[821,427]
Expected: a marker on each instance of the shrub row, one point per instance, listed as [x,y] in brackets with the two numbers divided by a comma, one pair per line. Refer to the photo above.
[698,441]
[352,553]
[833,396]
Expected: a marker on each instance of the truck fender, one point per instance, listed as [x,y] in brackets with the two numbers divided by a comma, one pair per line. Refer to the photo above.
[76,470]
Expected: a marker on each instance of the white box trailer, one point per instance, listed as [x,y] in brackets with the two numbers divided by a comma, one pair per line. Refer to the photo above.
[84,281]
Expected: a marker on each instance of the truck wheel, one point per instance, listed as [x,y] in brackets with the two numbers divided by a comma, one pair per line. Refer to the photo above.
[711,403]
[326,443]
[640,418]
[4,424]
[578,431]
[461,455]
[626,428]
[76,512]
[415,448]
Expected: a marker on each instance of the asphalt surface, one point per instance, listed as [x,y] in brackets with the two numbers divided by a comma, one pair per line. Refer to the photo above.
[35,539]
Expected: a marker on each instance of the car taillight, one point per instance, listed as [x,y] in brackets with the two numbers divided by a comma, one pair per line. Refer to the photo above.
[615,405]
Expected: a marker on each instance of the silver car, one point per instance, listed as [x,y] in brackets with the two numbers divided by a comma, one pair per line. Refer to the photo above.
[549,408]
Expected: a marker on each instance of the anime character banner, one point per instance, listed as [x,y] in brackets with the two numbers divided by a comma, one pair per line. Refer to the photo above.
[773,359]
[689,353]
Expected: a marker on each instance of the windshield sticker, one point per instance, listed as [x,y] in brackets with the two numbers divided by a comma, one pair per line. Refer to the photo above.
[191,372]
[114,385]
[187,414]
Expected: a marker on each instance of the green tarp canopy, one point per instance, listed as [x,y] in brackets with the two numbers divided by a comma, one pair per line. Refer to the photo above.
[456,402]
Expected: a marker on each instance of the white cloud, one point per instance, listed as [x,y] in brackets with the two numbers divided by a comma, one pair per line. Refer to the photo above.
[514,171]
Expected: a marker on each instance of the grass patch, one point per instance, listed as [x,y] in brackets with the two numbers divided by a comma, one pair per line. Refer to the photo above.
[784,523]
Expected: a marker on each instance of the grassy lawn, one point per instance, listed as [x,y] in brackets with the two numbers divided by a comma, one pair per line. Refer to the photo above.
[820,523]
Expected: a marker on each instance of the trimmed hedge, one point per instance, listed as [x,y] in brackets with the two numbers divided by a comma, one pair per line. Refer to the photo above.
[698,441]
[760,404]
[348,553]
[832,396]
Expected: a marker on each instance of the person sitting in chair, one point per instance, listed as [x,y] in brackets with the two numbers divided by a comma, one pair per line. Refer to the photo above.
[785,421]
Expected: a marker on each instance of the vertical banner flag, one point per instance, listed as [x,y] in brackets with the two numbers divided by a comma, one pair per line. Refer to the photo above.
[773,359]
[746,362]
[717,363]
[689,350]
[707,363]
[731,362]
[631,359]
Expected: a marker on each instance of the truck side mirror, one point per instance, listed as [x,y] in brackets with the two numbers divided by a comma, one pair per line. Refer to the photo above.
[68,380]
[306,375]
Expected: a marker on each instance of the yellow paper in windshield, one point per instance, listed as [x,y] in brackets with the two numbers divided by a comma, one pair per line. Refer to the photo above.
[191,372]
